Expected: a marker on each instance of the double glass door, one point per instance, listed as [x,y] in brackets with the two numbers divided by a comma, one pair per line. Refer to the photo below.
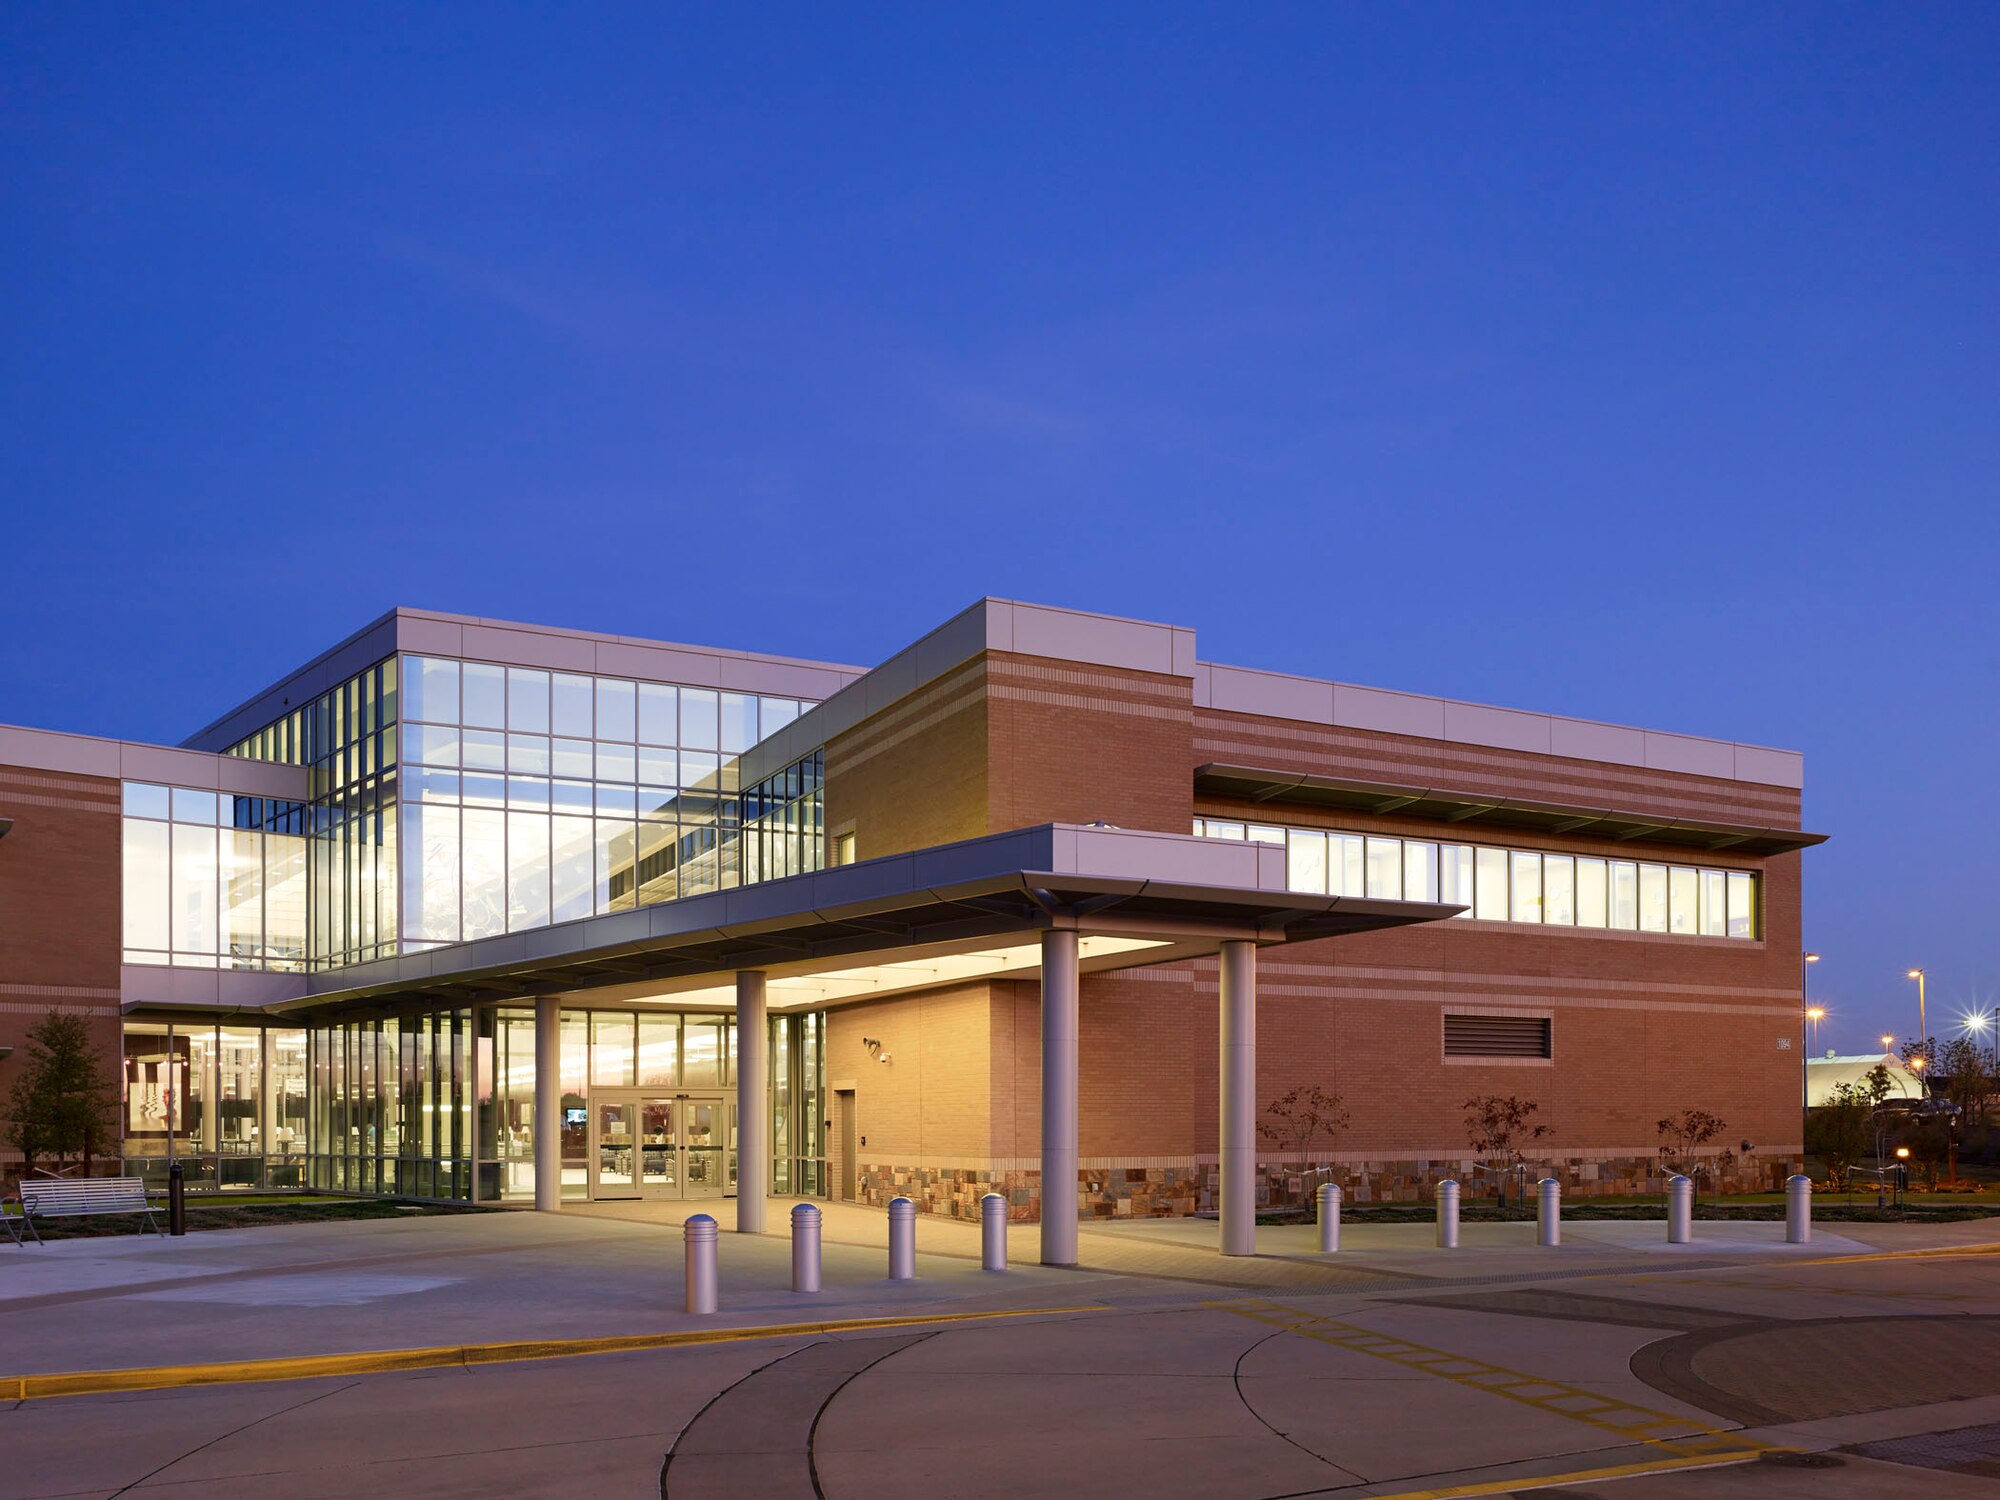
[645,1145]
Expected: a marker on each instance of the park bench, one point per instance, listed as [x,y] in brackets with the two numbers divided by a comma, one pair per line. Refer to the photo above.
[67,1198]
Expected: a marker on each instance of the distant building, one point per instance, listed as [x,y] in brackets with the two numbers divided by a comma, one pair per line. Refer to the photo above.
[1825,1074]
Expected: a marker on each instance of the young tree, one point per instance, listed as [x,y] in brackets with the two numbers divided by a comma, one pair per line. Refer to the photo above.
[1302,1120]
[1683,1134]
[1919,1055]
[1838,1132]
[60,1106]
[1495,1126]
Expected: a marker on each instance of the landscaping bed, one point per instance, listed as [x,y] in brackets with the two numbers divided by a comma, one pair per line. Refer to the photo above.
[205,1213]
[1825,1211]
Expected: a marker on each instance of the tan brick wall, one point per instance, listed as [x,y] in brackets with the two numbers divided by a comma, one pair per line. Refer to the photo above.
[60,892]
[915,774]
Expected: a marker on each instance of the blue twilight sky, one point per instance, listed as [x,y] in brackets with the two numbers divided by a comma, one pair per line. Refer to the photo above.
[1634,363]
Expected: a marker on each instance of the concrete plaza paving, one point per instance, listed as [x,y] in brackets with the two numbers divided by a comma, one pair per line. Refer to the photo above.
[1156,1368]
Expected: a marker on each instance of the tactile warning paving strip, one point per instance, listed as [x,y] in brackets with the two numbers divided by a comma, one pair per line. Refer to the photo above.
[1958,1449]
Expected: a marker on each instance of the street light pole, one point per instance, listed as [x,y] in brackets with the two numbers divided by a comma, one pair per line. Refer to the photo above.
[1805,1060]
[1923,1024]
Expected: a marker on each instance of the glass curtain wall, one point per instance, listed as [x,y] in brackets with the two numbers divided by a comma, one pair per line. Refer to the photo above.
[212,880]
[227,1101]
[392,1104]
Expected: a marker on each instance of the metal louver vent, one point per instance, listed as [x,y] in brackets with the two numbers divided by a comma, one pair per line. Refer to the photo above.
[1498,1036]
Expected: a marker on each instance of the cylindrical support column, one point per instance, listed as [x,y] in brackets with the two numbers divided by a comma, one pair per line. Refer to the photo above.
[1239,1098]
[1329,1217]
[1798,1210]
[1447,1215]
[548,1103]
[1549,1212]
[805,1248]
[698,1239]
[993,1232]
[1680,1210]
[902,1240]
[753,1103]
[1059,1033]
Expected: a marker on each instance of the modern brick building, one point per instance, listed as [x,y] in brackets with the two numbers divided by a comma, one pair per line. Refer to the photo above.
[469,909]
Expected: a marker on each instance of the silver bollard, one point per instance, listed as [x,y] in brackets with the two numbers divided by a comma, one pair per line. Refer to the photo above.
[698,1239]
[993,1232]
[1680,1210]
[902,1240]
[805,1248]
[1549,1212]
[1329,1217]
[1447,1215]
[1798,1210]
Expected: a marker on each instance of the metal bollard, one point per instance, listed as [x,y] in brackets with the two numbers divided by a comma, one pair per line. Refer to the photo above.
[1329,1217]
[805,1248]
[698,1240]
[993,1232]
[902,1240]
[1447,1215]
[176,1199]
[1680,1210]
[1549,1213]
[1798,1210]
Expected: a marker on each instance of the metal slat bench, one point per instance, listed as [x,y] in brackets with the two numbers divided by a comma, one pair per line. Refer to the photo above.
[65,1198]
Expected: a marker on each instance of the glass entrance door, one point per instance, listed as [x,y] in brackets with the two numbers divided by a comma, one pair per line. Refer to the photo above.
[662,1146]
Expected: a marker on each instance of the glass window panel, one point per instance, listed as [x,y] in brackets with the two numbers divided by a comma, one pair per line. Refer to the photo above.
[775,714]
[699,726]
[1352,864]
[194,920]
[1624,895]
[616,709]
[659,714]
[285,899]
[571,796]
[483,791]
[1305,858]
[1526,872]
[528,754]
[571,865]
[1490,904]
[1385,869]
[528,793]
[573,758]
[1222,830]
[243,897]
[484,840]
[1264,833]
[659,1051]
[1714,904]
[616,802]
[436,786]
[611,1049]
[659,767]
[1559,890]
[698,768]
[659,804]
[144,801]
[615,763]
[1455,876]
[527,870]
[616,878]
[194,807]
[1652,898]
[430,873]
[147,883]
[484,750]
[570,704]
[527,700]
[1420,870]
[1592,888]
[739,722]
[1683,900]
[431,690]
[484,695]
[701,1043]
[432,744]
[1742,905]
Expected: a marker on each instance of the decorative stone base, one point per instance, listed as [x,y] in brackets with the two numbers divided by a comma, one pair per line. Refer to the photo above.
[1164,1192]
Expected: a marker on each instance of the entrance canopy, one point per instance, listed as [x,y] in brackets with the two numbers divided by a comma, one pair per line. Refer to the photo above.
[941,915]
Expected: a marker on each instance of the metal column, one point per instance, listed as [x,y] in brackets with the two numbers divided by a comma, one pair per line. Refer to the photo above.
[1059,1031]
[548,1103]
[753,1103]
[1239,1098]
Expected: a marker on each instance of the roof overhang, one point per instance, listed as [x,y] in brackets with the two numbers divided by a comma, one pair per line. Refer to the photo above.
[1146,897]
[1442,805]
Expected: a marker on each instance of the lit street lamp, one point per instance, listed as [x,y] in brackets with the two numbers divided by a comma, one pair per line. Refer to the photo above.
[1815,1014]
[1805,1014]
[1923,1025]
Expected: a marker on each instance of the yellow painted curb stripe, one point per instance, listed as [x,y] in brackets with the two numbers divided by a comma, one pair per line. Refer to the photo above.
[385,1361]
[1580,1476]
[1936,1252]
